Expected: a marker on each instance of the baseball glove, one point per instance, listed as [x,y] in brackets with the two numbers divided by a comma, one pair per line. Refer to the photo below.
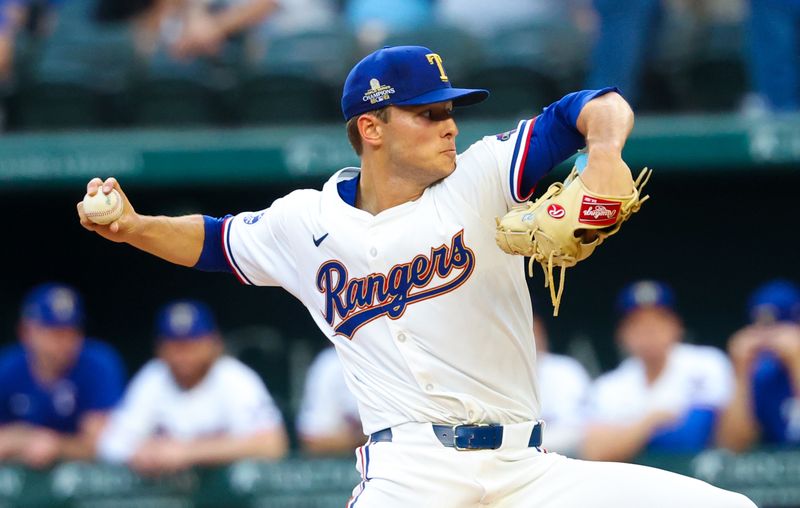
[565,225]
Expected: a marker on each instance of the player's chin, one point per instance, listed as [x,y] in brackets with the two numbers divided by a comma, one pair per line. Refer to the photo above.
[449,161]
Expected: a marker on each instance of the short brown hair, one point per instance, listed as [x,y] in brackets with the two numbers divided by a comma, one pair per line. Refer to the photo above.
[352,128]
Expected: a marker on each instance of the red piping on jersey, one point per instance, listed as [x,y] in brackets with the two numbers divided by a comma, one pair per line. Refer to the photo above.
[225,226]
[522,163]
[361,486]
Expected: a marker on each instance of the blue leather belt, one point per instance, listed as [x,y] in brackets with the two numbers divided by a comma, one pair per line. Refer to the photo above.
[467,437]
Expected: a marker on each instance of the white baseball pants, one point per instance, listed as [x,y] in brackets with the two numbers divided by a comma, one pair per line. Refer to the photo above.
[415,470]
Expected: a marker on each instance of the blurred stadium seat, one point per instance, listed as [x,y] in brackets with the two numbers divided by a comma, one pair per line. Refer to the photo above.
[296,77]
[715,77]
[172,92]
[526,67]
[458,49]
[69,82]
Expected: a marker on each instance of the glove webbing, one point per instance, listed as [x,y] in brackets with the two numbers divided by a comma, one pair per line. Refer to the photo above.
[555,295]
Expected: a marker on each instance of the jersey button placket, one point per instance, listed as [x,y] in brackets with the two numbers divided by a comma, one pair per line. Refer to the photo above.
[404,341]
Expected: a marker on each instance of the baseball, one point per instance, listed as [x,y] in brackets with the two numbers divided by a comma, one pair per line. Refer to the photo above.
[103,208]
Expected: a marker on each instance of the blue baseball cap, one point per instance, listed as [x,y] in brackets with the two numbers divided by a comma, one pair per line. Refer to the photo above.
[402,76]
[777,300]
[53,305]
[184,320]
[645,293]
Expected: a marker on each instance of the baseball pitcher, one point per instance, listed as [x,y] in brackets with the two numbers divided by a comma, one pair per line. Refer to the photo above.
[398,264]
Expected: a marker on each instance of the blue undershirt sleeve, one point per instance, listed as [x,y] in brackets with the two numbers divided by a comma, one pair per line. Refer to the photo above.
[555,135]
[692,434]
[212,258]
[771,387]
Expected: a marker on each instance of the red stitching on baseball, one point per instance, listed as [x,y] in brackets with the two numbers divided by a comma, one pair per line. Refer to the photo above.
[101,214]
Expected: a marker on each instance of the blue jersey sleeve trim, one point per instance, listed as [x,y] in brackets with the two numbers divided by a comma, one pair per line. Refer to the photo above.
[554,138]
[212,257]
[226,238]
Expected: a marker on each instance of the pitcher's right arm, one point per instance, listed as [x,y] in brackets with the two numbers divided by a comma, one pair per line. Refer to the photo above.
[178,240]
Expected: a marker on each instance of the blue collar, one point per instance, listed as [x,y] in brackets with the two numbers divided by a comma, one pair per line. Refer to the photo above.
[347,190]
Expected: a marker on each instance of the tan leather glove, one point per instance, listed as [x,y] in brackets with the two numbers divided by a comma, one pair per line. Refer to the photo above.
[565,225]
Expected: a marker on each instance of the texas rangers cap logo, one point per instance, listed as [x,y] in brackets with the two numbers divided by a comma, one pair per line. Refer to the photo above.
[181,318]
[63,303]
[556,211]
[434,58]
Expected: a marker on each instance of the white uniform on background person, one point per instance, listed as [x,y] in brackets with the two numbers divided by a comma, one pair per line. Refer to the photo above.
[666,396]
[190,392]
[231,400]
[565,388]
[328,408]
[695,377]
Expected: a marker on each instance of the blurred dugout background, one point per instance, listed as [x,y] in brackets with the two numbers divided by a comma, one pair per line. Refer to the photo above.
[93,89]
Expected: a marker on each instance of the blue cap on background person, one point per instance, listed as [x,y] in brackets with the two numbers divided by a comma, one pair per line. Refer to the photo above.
[184,320]
[645,293]
[402,76]
[777,300]
[53,305]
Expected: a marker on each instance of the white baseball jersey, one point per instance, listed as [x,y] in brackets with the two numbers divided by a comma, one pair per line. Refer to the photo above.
[230,400]
[328,406]
[564,390]
[431,319]
[694,377]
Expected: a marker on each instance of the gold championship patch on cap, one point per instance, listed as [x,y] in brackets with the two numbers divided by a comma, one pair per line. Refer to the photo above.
[377,92]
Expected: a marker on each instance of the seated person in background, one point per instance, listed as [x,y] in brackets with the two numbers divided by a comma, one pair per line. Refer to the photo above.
[665,396]
[766,358]
[484,19]
[13,18]
[328,422]
[565,386]
[7,32]
[56,386]
[192,405]
[373,21]
[195,28]
[297,16]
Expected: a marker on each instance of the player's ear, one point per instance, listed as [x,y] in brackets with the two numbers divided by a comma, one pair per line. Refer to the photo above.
[370,128]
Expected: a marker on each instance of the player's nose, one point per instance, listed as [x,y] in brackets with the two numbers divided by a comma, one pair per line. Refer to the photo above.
[450,129]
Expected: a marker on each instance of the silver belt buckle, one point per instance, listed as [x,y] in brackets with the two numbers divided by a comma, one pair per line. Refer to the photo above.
[455,438]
